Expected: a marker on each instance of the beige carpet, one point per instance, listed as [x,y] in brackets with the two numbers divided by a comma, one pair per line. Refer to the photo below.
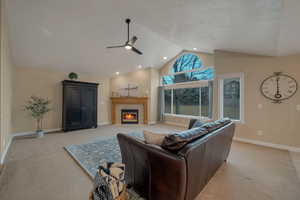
[41,169]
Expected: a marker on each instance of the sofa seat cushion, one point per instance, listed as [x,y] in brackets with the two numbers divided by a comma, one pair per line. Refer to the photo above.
[176,141]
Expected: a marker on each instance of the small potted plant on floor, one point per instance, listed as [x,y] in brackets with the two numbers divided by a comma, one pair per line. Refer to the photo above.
[38,107]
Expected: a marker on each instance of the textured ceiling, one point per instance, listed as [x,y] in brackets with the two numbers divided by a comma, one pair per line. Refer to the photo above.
[71,35]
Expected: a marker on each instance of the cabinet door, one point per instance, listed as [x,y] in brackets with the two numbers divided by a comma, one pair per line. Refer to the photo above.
[89,107]
[73,107]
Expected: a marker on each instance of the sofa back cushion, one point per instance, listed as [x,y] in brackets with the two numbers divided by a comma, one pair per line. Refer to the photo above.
[212,126]
[176,141]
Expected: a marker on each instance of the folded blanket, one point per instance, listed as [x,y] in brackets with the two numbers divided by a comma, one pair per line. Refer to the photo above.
[110,176]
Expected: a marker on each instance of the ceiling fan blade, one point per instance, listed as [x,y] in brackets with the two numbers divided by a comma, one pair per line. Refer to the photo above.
[136,51]
[133,40]
[120,46]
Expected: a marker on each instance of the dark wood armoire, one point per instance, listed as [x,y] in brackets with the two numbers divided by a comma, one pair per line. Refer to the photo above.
[79,105]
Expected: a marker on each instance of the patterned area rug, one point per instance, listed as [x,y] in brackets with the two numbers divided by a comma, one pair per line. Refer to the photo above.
[89,156]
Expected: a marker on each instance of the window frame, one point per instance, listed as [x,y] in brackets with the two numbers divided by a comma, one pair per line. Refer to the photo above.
[193,70]
[204,68]
[221,78]
[179,86]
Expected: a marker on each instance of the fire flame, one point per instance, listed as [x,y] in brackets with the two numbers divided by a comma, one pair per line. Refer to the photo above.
[129,116]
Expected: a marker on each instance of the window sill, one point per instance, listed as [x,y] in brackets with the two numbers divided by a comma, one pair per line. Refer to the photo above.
[238,121]
[187,116]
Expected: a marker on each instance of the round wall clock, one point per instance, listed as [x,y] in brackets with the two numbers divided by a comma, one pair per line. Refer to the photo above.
[279,87]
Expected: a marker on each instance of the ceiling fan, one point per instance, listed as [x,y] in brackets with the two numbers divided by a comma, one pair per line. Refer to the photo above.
[129,44]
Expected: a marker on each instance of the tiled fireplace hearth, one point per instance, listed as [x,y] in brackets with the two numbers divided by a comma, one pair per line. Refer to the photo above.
[136,109]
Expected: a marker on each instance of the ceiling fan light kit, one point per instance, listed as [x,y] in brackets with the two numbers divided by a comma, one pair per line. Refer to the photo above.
[129,44]
[128,47]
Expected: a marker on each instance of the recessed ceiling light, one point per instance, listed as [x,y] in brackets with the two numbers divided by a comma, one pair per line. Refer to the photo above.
[165,58]
[195,49]
[140,66]
[117,73]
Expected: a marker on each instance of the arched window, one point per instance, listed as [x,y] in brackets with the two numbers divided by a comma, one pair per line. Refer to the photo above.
[187,62]
[186,68]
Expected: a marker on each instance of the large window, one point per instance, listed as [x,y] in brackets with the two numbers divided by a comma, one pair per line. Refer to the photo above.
[186,101]
[189,101]
[188,88]
[232,97]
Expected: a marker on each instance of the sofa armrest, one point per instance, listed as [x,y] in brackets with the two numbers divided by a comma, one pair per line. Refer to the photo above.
[204,156]
[154,172]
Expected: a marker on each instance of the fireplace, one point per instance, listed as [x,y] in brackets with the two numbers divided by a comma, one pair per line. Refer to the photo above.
[129,116]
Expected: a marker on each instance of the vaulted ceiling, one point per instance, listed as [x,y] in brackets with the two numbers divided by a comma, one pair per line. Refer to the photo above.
[71,35]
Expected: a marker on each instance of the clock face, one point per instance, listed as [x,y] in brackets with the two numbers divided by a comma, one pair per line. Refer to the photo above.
[279,87]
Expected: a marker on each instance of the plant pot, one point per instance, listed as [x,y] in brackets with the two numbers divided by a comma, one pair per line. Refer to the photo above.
[40,133]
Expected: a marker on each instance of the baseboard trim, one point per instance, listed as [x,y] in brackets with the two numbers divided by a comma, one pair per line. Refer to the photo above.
[152,123]
[104,123]
[267,144]
[3,155]
[33,132]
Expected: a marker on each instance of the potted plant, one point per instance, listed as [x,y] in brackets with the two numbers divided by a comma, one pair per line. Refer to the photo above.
[73,76]
[38,107]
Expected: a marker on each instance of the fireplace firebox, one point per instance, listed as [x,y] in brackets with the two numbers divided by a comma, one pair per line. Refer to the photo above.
[129,116]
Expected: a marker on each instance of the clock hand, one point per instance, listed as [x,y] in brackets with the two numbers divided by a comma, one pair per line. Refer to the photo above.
[277,81]
[278,95]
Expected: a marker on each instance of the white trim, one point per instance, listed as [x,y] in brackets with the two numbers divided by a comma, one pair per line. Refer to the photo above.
[3,155]
[191,84]
[187,116]
[267,144]
[104,123]
[172,101]
[202,68]
[221,78]
[33,132]
[152,123]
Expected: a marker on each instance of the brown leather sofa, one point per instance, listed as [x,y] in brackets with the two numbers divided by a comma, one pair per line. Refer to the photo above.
[158,174]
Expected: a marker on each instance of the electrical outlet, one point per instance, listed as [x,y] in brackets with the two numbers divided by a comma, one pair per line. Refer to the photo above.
[260,132]
[298,107]
[259,106]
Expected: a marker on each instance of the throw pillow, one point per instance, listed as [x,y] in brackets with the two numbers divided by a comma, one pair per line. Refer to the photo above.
[153,138]
[197,123]
[194,123]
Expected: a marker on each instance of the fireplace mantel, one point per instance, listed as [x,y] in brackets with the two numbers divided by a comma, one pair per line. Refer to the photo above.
[128,100]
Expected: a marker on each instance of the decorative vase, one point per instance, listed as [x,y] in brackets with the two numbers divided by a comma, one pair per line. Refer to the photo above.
[40,133]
